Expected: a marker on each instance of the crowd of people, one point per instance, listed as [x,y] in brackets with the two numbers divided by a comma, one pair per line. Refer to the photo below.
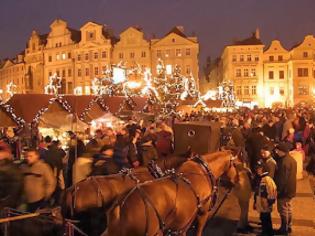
[275,144]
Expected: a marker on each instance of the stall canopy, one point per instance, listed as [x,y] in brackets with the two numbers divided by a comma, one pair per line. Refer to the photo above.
[6,120]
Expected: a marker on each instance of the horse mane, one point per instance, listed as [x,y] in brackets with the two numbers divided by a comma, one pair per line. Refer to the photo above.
[211,157]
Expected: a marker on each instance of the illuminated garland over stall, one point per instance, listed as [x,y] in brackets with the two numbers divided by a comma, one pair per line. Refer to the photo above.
[20,121]
[97,100]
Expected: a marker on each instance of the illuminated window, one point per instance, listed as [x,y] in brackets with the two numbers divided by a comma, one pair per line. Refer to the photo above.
[271,90]
[95,55]
[242,58]
[281,74]
[238,73]
[246,90]
[254,90]
[249,58]
[280,58]
[79,73]
[143,54]
[187,51]
[104,54]
[271,58]
[303,90]
[302,72]
[271,75]
[178,52]
[57,57]
[238,90]
[253,72]
[63,56]
[281,91]
[305,54]
[245,72]
[234,58]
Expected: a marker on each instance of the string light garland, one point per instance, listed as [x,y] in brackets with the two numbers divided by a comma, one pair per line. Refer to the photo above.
[11,89]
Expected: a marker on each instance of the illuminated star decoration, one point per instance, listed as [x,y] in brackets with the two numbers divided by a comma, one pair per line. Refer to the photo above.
[149,88]
[54,84]
[11,88]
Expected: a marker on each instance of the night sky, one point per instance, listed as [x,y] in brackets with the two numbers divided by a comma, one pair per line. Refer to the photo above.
[215,22]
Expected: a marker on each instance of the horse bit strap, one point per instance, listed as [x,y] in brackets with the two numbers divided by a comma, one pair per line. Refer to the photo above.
[214,183]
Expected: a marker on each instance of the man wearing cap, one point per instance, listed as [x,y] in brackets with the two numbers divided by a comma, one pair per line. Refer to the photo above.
[285,178]
[268,161]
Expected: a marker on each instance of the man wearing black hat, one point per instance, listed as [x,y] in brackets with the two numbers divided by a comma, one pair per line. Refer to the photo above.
[285,179]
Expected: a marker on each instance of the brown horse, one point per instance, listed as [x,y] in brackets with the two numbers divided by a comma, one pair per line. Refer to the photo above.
[170,205]
[95,195]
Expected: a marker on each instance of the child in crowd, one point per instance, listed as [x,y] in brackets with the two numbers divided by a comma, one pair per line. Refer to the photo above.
[265,197]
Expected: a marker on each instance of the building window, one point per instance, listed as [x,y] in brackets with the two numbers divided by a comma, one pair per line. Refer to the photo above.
[79,73]
[57,57]
[49,73]
[271,58]
[79,57]
[132,55]
[104,54]
[281,91]
[69,72]
[49,58]
[69,55]
[173,40]
[246,90]
[253,72]
[178,52]
[63,56]
[281,74]
[271,75]
[121,55]
[238,90]
[303,90]
[95,55]
[242,58]
[187,51]
[234,58]
[256,58]
[86,56]
[245,72]
[314,74]
[280,58]
[143,54]
[188,70]
[158,53]
[249,58]
[167,53]
[254,90]
[70,88]
[271,90]
[302,72]
[58,73]
[96,70]
[87,72]
[238,73]
[305,54]
[63,73]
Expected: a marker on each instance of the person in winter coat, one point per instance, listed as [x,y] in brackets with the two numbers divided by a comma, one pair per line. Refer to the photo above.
[264,198]
[285,178]
[103,163]
[268,160]
[39,181]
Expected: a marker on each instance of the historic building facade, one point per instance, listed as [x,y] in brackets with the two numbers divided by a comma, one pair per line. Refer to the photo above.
[79,56]
[273,75]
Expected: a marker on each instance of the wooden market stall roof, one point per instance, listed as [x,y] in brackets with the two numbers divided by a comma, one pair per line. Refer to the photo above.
[6,119]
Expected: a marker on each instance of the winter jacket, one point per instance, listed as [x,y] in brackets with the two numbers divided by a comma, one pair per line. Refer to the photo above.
[285,177]
[39,182]
[265,194]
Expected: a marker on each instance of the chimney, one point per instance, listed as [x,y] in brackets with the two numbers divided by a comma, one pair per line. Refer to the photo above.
[180,28]
[257,33]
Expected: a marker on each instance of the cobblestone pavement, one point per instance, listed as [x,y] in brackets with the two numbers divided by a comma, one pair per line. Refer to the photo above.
[225,221]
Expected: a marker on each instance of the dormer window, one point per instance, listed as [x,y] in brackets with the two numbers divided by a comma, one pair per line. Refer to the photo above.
[90,35]
[173,40]
[305,54]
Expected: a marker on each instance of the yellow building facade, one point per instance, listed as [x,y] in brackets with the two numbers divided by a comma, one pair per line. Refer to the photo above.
[273,75]
[79,56]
